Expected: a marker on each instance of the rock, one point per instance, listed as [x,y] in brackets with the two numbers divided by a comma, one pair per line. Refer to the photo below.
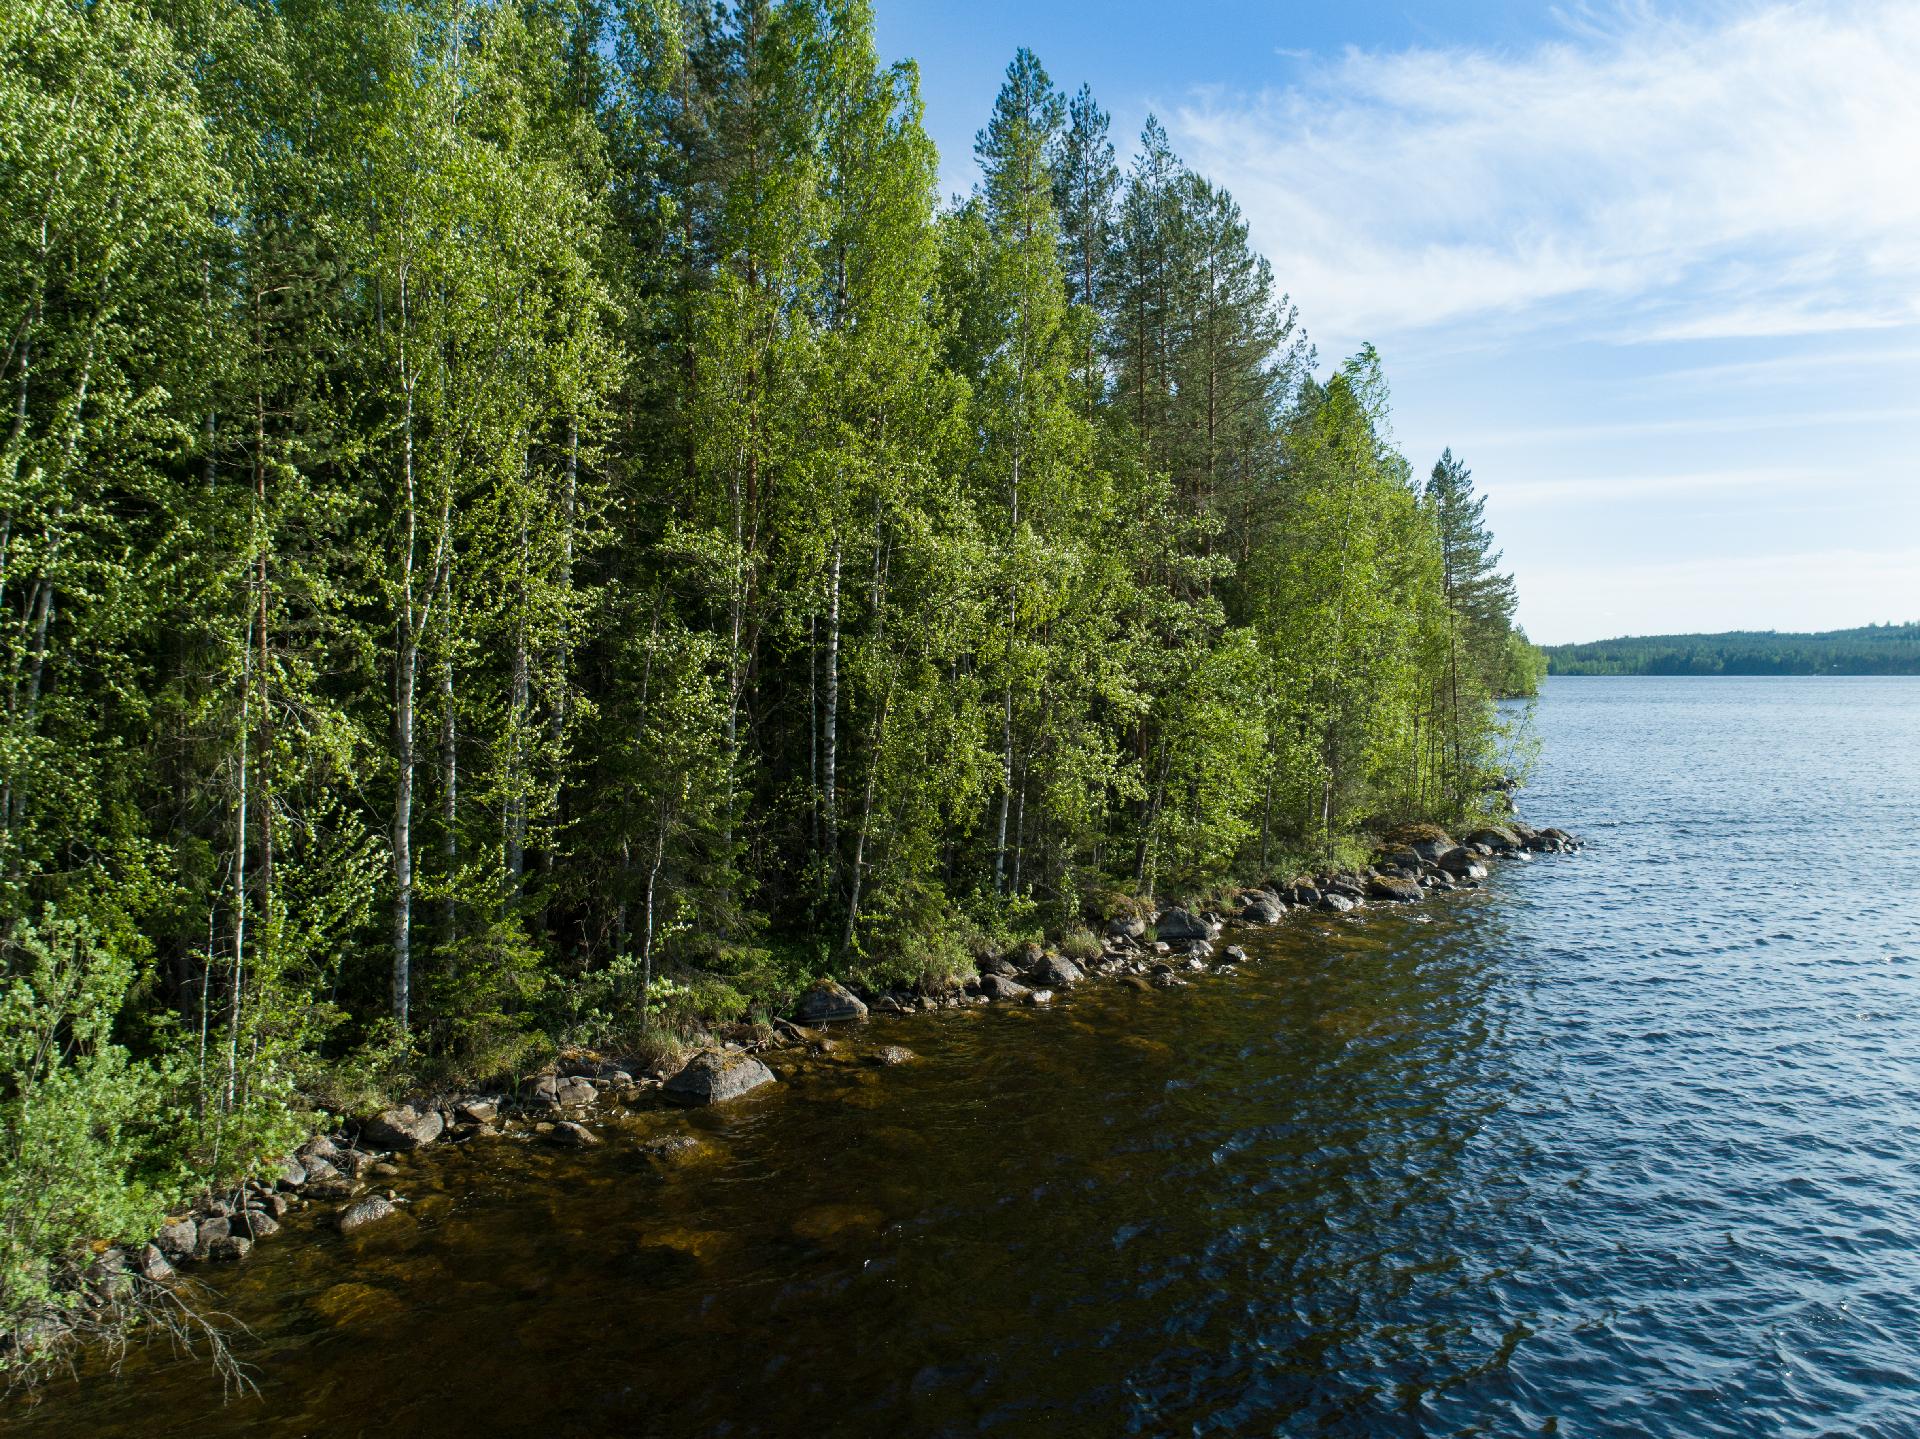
[371,1210]
[1039,996]
[337,1187]
[1167,979]
[318,1147]
[254,1224]
[826,1002]
[210,1232]
[1234,953]
[1304,896]
[178,1239]
[1134,982]
[319,1171]
[713,1078]
[403,1128]
[1456,862]
[889,1055]
[995,986]
[1334,902]
[575,1093]
[1430,850]
[1176,925]
[1198,952]
[290,1173]
[1127,926]
[477,1111]
[229,1248]
[574,1136]
[673,1150]
[1395,891]
[544,1090]
[152,1266]
[1264,910]
[1055,972]
[1497,839]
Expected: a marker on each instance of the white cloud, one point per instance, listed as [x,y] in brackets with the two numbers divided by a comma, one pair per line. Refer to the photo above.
[1753,174]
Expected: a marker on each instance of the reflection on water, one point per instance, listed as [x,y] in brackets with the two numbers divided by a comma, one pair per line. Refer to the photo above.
[1625,1144]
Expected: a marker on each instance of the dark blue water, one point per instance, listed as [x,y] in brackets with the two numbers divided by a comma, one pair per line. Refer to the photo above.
[1626,1144]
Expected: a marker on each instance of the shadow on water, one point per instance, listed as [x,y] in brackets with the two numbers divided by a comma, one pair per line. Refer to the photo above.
[1626,1144]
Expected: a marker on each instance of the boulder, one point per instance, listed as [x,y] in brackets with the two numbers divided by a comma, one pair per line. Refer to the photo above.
[1127,926]
[828,1001]
[575,1093]
[1456,862]
[1335,903]
[1497,839]
[211,1232]
[371,1210]
[1430,850]
[152,1266]
[318,1147]
[403,1128]
[714,1078]
[1263,909]
[1304,896]
[573,1136]
[254,1224]
[889,1055]
[1039,996]
[995,986]
[1199,952]
[1392,889]
[177,1239]
[1055,972]
[1176,925]
[229,1248]
[289,1173]
[1234,954]
[477,1111]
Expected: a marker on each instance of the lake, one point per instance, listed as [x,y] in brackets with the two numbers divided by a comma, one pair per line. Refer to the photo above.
[1626,1143]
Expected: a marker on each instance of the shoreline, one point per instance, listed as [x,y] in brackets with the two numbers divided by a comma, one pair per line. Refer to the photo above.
[349,1171]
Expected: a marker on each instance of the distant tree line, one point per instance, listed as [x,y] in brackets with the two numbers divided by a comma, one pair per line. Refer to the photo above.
[1892,649]
[530,522]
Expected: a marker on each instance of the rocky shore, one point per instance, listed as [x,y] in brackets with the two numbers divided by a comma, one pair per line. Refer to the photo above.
[349,1173]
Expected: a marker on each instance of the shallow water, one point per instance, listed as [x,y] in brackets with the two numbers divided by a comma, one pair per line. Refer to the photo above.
[1627,1143]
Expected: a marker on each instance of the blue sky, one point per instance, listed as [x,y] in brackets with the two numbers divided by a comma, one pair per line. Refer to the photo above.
[1652,270]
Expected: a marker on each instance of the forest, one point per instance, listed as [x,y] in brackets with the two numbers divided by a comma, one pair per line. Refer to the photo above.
[1870,650]
[527,524]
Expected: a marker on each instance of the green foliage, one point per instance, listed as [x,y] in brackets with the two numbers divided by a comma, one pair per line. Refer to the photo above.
[1892,649]
[85,1140]
[530,525]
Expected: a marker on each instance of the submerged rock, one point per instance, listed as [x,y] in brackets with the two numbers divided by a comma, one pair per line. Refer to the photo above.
[673,1150]
[403,1128]
[889,1055]
[371,1210]
[714,1078]
[573,1136]
[828,1001]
